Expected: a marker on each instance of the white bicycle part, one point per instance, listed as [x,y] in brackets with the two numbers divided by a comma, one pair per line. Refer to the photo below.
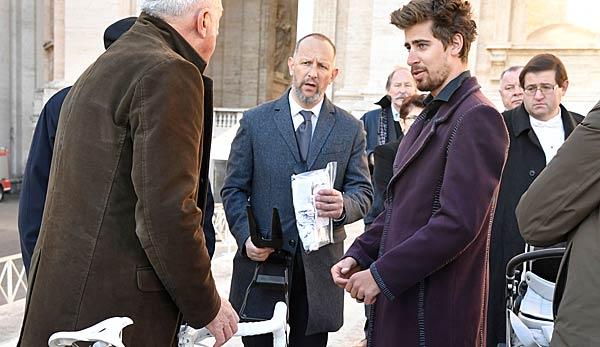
[190,337]
[107,333]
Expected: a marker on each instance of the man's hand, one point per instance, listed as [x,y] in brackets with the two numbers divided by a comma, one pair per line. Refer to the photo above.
[224,325]
[362,287]
[330,203]
[255,253]
[342,271]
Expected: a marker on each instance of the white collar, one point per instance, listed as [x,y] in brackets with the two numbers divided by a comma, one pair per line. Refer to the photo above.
[552,123]
[295,108]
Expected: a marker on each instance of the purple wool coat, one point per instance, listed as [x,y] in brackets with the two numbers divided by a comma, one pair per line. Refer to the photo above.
[428,250]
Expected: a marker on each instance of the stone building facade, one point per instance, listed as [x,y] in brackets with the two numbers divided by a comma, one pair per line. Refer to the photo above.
[47,46]
[50,42]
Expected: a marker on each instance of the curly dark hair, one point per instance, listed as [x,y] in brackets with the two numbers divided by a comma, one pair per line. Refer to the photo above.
[449,17]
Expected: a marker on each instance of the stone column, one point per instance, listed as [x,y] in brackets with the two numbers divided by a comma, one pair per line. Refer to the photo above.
[20,80]
[69,39]
[354,26]
[249,64]
[5,72]
[372,48]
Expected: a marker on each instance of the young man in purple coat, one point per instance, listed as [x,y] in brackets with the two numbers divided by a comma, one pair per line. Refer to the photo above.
[423,263]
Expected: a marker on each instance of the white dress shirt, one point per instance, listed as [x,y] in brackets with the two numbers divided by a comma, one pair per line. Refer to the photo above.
[297,118]
[551,134]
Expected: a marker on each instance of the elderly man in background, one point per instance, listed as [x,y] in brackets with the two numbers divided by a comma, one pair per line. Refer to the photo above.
[121,233]
[510,90]
[383,125]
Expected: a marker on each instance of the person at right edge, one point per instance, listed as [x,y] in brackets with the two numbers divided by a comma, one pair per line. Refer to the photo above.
[423,264]
[563,205]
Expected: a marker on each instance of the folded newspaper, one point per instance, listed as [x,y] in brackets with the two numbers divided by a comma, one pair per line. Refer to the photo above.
[315,232]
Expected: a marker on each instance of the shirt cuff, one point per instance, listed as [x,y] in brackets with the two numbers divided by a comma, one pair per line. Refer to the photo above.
[338,221]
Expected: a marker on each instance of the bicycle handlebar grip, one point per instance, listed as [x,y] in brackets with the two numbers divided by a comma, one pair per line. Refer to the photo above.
[188,336]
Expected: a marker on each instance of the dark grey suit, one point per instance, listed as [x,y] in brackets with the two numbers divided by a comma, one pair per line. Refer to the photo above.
[264,154]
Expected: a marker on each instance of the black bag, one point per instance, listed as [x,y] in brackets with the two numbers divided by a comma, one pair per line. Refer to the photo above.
[270,282]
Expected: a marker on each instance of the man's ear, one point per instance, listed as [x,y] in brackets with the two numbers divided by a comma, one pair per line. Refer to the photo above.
[564,86]
[203,23]
[334,74]
[291,66]
[456,45]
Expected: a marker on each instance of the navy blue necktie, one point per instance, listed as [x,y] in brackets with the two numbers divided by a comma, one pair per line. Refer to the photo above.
[304,134]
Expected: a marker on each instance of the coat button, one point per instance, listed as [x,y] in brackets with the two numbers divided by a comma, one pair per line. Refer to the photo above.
[292,243]
[531,173]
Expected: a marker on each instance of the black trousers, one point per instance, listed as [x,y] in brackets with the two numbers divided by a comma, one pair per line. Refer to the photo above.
[298,315]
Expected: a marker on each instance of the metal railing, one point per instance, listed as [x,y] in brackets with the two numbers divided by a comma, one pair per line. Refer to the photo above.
[13,281]
[227,117]
[220,223]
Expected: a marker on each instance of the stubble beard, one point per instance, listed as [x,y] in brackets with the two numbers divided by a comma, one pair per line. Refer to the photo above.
[434,79]
[306,100]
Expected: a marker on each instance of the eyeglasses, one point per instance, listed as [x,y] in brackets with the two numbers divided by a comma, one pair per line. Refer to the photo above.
[546,89]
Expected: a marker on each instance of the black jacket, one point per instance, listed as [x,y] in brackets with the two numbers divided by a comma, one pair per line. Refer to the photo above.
[525,161]
[382,174]
[371,122]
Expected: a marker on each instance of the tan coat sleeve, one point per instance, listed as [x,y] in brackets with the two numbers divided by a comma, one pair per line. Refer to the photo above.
[167,121]
[567,190]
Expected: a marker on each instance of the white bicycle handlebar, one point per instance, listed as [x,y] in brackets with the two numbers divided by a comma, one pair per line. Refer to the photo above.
[104,334]
[190,337]
[108,333]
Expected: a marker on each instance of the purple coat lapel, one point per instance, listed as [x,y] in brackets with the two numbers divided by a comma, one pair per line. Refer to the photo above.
[421,132]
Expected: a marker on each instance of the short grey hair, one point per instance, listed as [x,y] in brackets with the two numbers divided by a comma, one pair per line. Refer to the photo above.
[510,69]
[175,8]
[388,84]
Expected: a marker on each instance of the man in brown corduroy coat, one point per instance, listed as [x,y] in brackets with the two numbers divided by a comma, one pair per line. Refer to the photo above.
[121,233]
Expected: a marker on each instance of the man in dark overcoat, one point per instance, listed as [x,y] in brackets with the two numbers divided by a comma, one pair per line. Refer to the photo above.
[537,129]
[121,233]
[264,155]
[423,263]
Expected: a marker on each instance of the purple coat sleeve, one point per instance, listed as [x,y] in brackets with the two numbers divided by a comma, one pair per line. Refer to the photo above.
[475,160]
[366,247]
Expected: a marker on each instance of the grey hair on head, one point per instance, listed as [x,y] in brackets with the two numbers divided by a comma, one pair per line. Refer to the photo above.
[510,69]
[175,8]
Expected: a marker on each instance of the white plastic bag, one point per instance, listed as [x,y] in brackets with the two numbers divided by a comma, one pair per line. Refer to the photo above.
[315,232]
